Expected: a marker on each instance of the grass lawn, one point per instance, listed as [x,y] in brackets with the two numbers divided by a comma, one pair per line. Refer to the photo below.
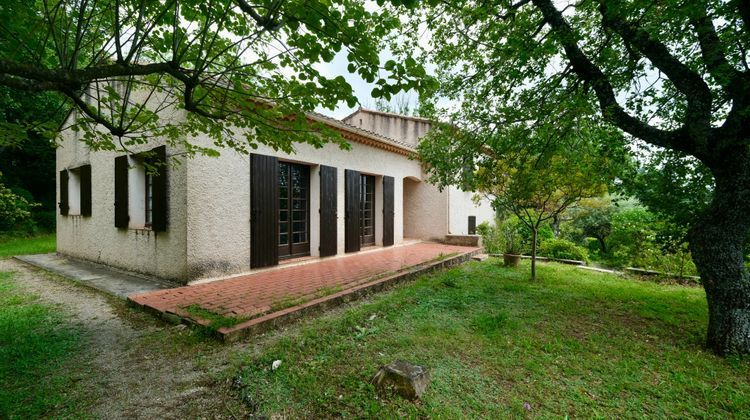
[575,343]
[41,244]
[36,348]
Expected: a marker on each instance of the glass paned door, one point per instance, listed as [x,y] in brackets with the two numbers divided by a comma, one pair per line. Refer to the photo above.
[367,210]
[294,210]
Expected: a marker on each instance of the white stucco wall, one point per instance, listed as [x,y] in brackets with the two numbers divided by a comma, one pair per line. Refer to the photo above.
[425,210]
[462,206]
[218,199]
[96,238]
[398,127]
[208,233]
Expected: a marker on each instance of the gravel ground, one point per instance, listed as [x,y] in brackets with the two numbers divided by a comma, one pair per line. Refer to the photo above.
[133,365]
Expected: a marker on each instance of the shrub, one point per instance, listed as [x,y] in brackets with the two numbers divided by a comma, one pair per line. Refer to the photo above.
[679,263]
[504,237]
[563,249]
[15,210]
[490,238]
[632,237]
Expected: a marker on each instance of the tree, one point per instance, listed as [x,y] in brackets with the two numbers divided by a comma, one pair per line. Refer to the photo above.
[537,183]
[593,219]
[243,71]
[674,75]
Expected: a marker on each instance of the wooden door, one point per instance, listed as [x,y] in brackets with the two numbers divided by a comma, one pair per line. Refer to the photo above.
[264,210]
[351,204]
[367,210]
[388,210]
[294,210]
[328,211]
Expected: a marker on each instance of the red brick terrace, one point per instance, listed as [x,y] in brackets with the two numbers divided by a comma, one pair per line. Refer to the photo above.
[259,301]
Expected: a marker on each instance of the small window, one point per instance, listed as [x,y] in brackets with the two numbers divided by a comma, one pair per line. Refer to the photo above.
[138,194]
[141,190]
[74,192]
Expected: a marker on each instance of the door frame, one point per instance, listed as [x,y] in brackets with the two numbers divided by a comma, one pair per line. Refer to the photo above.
[301,249]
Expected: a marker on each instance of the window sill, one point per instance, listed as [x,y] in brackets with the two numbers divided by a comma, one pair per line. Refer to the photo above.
[141,229]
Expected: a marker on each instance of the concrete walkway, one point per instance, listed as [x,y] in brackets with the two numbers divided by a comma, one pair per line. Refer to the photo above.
[99,277]
[259,301]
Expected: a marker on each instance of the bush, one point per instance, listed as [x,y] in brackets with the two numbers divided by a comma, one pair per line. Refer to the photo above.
[679,263]
[563,249]
[502,238]
[490,238]
[632,237]
[15,210]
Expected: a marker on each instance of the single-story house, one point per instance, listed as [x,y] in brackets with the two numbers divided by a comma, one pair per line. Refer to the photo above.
[209,217]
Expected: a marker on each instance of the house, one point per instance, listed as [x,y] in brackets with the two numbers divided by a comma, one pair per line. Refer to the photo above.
[209,217]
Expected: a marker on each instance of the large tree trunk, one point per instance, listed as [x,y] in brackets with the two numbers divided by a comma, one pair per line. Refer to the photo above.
[717,243]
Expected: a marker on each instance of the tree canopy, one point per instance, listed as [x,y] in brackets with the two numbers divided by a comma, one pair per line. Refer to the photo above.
[536,173]
[672,74]
[243,71]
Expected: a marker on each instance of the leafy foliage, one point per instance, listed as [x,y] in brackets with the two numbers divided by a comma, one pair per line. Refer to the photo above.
[563,249]
[503,237]
[671,74]
[670,183]
[533,173]
[14,209]
[238,72]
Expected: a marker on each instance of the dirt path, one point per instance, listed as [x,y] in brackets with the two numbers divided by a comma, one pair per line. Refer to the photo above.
[133,365]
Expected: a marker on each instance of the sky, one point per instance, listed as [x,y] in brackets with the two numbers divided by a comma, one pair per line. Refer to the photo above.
[362,89]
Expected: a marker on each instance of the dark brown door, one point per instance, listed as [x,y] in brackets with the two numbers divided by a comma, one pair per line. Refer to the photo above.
[351,204]
[294,210]
[264,210]
[328,212]
[388,211]
[367,210]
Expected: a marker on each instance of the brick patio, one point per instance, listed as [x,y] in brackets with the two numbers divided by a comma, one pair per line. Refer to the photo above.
[267,297]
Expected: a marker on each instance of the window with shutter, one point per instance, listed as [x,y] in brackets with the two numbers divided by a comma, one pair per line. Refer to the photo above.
[63,204]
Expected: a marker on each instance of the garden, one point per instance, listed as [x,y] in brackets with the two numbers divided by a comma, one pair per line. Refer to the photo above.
[603,232]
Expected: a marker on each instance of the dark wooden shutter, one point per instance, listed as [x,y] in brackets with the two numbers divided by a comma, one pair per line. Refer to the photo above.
[351,204]
[159,193]
[388,211]
[121,192]
[328,215]
[472,225]
[63,204]
[264,211]
[85,174]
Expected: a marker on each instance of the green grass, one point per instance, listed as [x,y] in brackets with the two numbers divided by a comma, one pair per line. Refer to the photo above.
[215,320]
[36,349]
[574,343]
[41,244]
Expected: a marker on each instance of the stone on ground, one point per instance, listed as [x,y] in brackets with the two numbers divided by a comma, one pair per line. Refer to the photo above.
[404,378]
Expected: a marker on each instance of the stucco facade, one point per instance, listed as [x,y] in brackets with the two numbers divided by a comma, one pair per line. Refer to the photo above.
[209,205]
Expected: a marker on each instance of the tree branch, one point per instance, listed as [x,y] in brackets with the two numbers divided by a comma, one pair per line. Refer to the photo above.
[592,74]
[687,81]
[713,52]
